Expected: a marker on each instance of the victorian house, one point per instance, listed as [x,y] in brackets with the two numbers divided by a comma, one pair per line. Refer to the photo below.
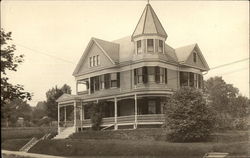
[135,75]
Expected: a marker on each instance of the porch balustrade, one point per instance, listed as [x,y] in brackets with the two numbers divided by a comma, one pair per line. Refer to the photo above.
[121,120]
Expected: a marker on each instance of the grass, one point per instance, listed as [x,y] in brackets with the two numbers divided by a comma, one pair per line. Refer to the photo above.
[24,133]
[14,144]
[86,147]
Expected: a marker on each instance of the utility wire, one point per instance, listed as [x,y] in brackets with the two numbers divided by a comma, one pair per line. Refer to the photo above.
[234,62]
[40,52]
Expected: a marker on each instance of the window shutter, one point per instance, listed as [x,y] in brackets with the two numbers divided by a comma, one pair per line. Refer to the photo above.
[135,76]
[118,79]
[145,74]
[166,75]
[157,74]
[91,84]
[87,84]
[107,81]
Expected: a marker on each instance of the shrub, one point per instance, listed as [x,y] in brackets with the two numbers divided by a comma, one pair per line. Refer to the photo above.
[188,117]
[96,115]
[240,124]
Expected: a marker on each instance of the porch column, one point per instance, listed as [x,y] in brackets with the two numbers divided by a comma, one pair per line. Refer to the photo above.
[135,125]
[116,113]
[89,85]
[58,118]
[74,114]
[65,115]
[81,114]
[76,87]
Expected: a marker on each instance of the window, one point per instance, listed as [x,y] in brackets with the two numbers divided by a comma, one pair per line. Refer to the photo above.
[102,82]
[139,48]
[90,61]
[194,57]
[107,81]
[191,79]
[183,78]
[98,59]
[160,46]
[96,83]
[150,45]
[114,80]
[162,75]
[200,81]
[94,60]
[151,74]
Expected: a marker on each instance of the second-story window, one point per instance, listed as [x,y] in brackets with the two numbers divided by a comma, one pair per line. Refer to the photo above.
[160,48]
[139,48]
[113,80]
[150,45]
[151,74]
[102,82]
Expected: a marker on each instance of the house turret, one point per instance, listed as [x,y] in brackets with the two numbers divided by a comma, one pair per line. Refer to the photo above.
[149,36]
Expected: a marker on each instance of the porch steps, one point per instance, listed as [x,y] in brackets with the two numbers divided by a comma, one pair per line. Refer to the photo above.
[65,133]
[29,145]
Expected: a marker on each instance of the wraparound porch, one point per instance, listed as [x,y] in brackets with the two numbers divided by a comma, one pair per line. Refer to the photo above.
[130,110]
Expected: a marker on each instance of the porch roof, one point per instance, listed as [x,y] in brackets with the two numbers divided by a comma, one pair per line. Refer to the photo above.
[67,97]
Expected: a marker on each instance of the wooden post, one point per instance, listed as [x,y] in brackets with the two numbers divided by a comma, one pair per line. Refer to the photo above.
[75,114]
[89,86]
[65,116]
[76,87]
[135,125]
[58,118]
[81,114]
[116,127]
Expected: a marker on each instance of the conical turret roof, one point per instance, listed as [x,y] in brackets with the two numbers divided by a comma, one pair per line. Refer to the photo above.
[149,24]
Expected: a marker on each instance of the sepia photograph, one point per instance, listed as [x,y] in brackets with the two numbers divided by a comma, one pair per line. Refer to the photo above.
[125,79]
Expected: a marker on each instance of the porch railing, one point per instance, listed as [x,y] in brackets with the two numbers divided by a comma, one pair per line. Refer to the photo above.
[141,119]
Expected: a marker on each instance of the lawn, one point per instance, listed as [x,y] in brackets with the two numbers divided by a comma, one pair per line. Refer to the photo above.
[14,144]
[88,147]
[24,132]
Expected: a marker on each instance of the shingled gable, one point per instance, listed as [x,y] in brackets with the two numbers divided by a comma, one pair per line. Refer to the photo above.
[149,24]
[111,51]
[185,52]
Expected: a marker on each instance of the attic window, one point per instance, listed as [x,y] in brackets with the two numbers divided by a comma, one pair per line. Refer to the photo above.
[194,57]
[160,46]
[90,62]
[139,49]
[98,59]
[150,45]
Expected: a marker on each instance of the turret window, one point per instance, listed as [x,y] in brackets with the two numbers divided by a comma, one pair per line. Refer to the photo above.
[139,48]
[150,45]
[160,46]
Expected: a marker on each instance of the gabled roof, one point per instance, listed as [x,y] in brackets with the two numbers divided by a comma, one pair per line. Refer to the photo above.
[149,24]
[183,53]
[111,50]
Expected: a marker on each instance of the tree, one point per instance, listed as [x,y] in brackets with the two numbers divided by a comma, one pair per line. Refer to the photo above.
[9,62]
[188,117]
[18,108]
[226,101]
[96,115]
[52,95]
[39,111]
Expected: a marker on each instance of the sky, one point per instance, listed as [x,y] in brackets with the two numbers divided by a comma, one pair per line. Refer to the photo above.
[54,34]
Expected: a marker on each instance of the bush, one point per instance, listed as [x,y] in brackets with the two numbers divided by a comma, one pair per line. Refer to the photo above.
[240,124]
[96,115]
[188,117]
